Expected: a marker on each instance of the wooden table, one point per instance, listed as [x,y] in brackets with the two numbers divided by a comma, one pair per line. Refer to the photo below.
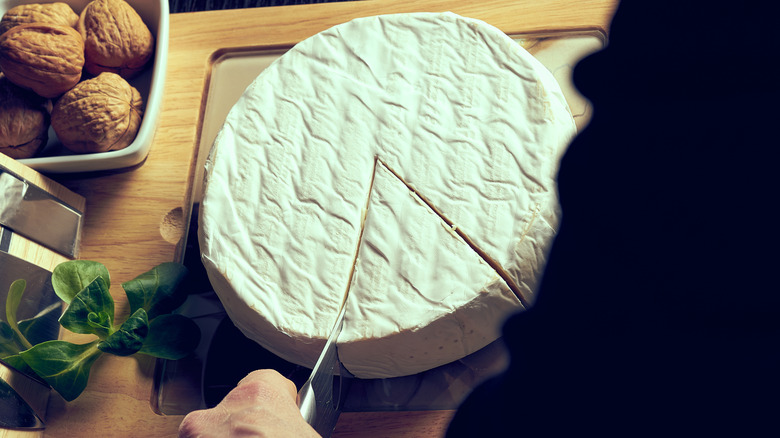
[135,217]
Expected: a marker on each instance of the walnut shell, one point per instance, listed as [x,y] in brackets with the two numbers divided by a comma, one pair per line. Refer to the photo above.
[51,13]
[24,120]
[46,58]
[116,38]
[99,114]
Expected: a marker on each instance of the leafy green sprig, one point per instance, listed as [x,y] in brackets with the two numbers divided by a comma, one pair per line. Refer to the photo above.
[151,328]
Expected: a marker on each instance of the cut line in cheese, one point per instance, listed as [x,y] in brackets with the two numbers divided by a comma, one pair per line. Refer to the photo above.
[472,127]
[463,235]
[401,233]
[360,237]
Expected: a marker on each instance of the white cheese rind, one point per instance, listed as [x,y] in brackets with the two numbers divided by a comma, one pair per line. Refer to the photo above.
[461,112]
[448,312]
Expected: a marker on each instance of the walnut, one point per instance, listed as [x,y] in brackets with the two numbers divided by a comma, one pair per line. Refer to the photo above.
[99,114]
[51,13]
[116,38]
[24,120]
[46,58]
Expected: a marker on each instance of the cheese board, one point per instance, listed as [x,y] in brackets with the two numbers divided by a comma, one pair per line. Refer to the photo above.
[202,381]
[140,217]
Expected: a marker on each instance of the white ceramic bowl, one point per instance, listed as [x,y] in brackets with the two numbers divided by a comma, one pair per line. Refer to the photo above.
[54,158]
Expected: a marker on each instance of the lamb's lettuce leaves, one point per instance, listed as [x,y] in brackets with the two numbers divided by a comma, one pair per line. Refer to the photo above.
[129,338]
[63,365]
[91,311]
[171,337]
[84,285]
[39,328]
[15,361]
[157,291]
[12,301]
[71,277]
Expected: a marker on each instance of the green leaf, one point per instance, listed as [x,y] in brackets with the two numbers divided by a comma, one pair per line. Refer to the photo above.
[157,291]
[12,301]
[36,330]
[43,326]
[91,310]
[9,341]
[100,321]
[15,361]
[130,336]
[171,337]
[84,286]
[71,277]
[6,332]
[63,365]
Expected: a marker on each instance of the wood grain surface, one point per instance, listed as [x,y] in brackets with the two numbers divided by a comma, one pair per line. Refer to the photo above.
[135,216]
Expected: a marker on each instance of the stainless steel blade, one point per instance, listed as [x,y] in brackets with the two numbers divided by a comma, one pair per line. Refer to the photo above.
[36,214]
[15,413]
[39,305]
[322,396]
[5,238]
[41,308]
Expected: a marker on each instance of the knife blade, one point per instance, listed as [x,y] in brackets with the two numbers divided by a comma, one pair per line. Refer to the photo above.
[321,398]
[15,413]
[39,302]
[38,215]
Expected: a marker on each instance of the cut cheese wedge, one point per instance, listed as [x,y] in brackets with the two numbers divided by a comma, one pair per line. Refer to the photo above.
[465,118]
[402,238]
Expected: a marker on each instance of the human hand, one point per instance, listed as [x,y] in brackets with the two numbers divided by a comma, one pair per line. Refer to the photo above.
[263,404]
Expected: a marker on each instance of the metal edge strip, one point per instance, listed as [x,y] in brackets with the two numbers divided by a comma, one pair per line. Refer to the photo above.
[5,238]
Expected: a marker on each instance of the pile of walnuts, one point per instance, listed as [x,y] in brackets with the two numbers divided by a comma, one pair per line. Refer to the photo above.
[71,71]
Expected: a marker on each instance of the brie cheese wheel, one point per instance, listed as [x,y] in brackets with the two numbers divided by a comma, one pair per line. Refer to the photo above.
[405,163]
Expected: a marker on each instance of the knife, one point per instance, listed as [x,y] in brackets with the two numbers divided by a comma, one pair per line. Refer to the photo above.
[322,397]
[39,302]
[38,215]
[15,413]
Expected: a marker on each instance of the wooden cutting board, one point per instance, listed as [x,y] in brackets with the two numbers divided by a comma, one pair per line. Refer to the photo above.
[137,217]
